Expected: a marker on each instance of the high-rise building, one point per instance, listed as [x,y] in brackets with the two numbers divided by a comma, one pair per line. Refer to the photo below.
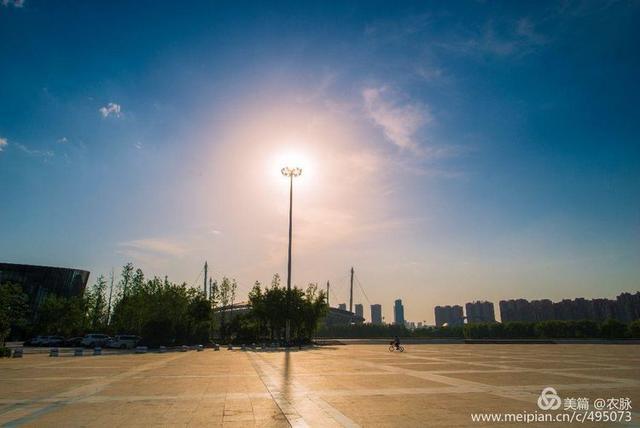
[398,312]
[625,308]
[376,314]
[342,306]
[359,310]
[480,312]
[450,315]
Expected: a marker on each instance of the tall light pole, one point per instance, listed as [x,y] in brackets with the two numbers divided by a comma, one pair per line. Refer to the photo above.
[290,172]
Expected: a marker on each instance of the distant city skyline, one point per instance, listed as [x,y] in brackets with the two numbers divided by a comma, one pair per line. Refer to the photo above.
[451,151]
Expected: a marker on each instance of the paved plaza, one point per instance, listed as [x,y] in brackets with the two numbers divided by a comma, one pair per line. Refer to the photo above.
[352,385]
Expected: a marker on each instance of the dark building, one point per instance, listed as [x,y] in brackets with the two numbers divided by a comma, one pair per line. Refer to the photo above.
[38,282]
[625,308]
[480,312]
[342,306]
[359,310]
[449,315]
[398,312]
[376,314]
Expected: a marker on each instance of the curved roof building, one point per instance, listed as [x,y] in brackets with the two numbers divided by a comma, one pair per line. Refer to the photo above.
[40,281]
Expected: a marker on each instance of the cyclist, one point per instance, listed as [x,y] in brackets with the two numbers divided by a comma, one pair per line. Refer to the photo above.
[396,342]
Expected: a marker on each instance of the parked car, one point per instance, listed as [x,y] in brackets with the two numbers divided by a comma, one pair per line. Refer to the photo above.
[124,341]
[73,342]
[94,339]
[52,341]
[35,341]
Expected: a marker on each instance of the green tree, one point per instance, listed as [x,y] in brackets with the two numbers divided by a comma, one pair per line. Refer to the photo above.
[97,304]
[13,309]
[613,329]
[62,316]
[634,329]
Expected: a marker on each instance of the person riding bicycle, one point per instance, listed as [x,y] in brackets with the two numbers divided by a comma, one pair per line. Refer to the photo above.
[396,342]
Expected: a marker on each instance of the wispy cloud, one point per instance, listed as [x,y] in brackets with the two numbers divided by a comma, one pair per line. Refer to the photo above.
[44,154]
[62,140]
[399,119]
[155,246]
[14,3]
[3,143]
[514,38]
[111,109]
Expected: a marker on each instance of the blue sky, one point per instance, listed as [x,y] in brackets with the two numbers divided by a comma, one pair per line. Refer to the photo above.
[454,151]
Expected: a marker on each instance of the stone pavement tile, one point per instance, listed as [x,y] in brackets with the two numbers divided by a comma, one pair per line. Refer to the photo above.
[427,367]
[83,414]
[58,372]
[386,381]
[614,374]
[445,410]
[154,386]
[547,364]
[36,389]
[11,412]
[520,378]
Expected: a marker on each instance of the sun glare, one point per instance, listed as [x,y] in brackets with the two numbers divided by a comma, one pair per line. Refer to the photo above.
[292,159]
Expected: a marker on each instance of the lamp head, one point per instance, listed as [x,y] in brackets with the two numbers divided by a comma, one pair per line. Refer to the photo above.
[291,171]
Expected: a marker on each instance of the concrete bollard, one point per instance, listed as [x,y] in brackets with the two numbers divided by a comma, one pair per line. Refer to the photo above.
[141,349]
[244,347]
[78,352]
[97,350]
[216,347]
[17,353]
[229,347]
[184,348]
[199,348]
[163,349]
[53,352]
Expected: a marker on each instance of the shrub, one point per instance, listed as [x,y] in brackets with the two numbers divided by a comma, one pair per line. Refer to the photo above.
[634,329]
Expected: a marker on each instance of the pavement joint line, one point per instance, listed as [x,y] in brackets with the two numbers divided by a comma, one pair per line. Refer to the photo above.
[285,407]
[486,388]
[78,393]
[300,392]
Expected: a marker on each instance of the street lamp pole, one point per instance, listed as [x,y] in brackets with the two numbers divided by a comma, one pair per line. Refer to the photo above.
[290,172]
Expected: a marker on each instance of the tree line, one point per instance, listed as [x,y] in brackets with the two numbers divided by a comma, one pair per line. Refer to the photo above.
[163,312]
[585,329]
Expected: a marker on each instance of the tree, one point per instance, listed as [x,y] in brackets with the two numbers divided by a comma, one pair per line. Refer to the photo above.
[64,316]
[97,304]
[271,306]
[13,309]
[613,329]
[126,278]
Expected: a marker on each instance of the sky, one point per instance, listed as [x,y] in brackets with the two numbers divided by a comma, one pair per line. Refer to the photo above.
[451,151]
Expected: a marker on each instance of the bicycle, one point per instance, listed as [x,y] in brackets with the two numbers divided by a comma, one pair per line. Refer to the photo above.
[393,348]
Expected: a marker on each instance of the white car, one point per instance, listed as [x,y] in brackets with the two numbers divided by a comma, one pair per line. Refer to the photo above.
[124,341]
[94,339]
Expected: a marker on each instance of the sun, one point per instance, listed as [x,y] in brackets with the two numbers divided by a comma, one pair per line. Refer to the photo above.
[293,158]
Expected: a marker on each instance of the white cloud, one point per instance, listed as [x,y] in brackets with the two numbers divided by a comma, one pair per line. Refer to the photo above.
[399,120]
[14,3]
[157,246]
[62,140]
[45,154]
[111,109]
[3,143]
